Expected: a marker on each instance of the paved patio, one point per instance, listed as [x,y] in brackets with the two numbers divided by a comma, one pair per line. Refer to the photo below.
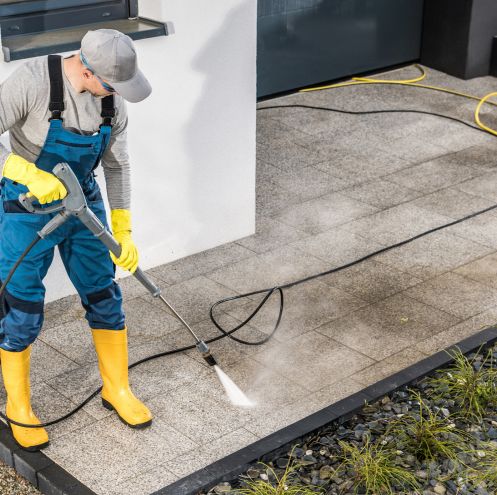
[330,189]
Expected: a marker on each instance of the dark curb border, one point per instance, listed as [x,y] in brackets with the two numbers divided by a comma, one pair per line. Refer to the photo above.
[273,445]
[52,479]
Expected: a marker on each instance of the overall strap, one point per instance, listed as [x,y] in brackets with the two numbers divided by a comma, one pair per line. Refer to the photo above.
[56,105]
[108,110]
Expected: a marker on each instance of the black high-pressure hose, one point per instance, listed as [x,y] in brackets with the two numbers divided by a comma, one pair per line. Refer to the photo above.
[269,291]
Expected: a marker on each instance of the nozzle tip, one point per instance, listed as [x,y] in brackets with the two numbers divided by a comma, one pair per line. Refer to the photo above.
[209,358]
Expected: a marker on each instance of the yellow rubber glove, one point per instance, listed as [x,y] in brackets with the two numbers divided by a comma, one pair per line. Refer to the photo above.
[121,230]
[43,185]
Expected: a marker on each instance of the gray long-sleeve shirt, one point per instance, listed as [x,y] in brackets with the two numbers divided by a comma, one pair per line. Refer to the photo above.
[24,99]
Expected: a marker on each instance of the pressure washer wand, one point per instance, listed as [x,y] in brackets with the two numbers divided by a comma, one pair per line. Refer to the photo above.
[74,204]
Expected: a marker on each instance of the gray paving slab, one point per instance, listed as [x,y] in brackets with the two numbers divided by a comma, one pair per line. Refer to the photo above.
[432,175]
[193,298]
[200,411]
[330,189]
[63,311]
[146,320]
[482,270]
[277,267]
[270,234]
[388,366]
[455,294]
[48,362]
[328,142]
[452,202]
[480,156]
[72,339]
[337,246]
[271,421]
[434,254]
[458,332]
[396,224]
[226,351]
[288,155]
[131,288]
[371,280]
[271,130]
[78,384]
[207,453]
[399,320]
[270,200]
[308,183]
[306,120]
[108,451]
[483,185]
[321,214]
[268,387]
[144,484]
[357,167]
[164,375]
[456,137]
[316,360]
[415,148]
[200,263]
[381,193]
[326,302]
[481,229]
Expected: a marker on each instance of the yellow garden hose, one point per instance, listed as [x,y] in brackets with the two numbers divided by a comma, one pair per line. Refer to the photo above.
[477,114]
[415,82]
[402,81]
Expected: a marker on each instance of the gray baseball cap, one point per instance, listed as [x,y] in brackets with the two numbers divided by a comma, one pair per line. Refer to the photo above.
[111,55]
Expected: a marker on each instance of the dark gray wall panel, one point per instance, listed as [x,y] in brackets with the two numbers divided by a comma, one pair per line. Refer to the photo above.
[303,42]
[458,36]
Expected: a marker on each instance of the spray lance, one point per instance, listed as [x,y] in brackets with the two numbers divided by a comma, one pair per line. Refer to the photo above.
[74,204]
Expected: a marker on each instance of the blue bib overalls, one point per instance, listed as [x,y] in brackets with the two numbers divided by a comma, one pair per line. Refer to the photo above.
[86,259]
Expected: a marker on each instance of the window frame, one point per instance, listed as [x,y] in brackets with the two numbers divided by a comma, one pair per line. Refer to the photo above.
[39,16]
[52,37]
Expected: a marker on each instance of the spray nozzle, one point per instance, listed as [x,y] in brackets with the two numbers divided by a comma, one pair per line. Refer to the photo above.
[203,348]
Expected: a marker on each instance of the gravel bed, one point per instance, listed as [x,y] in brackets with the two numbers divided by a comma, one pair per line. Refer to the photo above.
[13,484]
[317,463]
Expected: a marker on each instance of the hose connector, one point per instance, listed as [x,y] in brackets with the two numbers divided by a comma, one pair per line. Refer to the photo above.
[206,353]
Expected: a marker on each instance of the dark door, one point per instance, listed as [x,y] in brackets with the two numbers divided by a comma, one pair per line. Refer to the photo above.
[303,42]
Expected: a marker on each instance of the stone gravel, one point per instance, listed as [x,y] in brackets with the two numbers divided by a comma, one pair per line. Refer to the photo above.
[13,484]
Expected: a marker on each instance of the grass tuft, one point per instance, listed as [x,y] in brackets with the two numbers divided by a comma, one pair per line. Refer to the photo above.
[427,435]
[485,471]
[285,484]
[372,469]
[473,390]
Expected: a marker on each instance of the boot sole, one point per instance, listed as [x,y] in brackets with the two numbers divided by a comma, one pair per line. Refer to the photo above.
[33,448]
[139,426]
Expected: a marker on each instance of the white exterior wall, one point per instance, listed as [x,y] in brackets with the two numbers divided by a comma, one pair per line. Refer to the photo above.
[192,142]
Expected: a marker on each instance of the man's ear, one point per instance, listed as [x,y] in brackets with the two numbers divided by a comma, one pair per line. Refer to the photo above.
[87,73]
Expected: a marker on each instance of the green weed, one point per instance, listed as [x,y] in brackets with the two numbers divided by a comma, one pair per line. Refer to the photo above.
[485,470]
[474,391]
[427,435]
[286,484]
[373,469]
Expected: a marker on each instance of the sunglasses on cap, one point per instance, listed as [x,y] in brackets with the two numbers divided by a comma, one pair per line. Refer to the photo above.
[106,86]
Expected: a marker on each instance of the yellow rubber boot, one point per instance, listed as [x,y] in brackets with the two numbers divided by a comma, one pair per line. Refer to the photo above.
[15,371]
[112,352]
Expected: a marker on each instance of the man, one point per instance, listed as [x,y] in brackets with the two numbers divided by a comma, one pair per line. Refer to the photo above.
[68,110]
